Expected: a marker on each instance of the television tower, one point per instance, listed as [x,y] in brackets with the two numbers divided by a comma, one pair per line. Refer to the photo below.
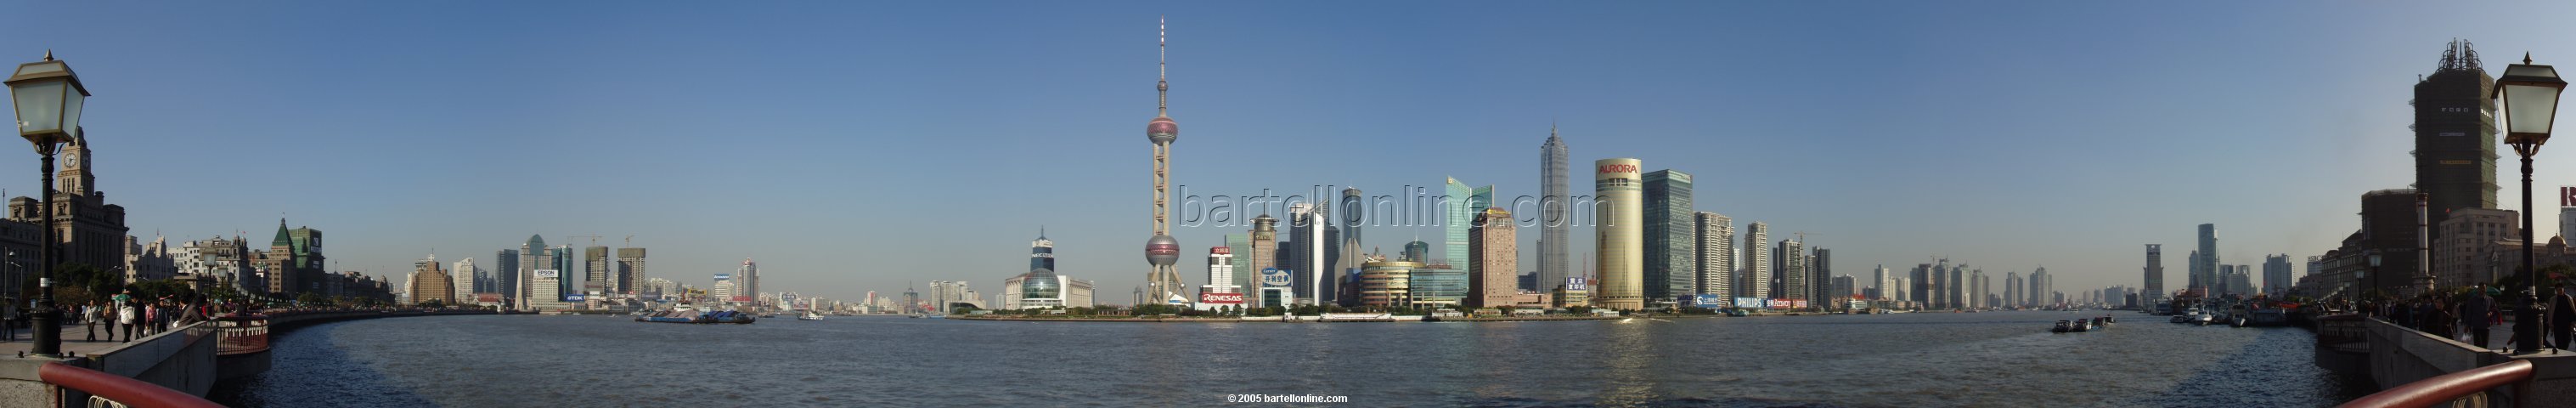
[1162,251]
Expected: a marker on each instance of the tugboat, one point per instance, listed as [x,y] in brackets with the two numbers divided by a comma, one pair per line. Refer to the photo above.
[2062,327]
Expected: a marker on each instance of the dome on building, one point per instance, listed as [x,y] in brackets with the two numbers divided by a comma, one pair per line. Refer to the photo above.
[1041,284]
[1162,250]
[1162,130]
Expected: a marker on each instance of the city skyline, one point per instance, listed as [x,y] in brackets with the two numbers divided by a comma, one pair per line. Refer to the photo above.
[1964,125]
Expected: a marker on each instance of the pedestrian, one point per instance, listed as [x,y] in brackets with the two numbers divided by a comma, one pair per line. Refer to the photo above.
[2476,314]
[2562,316]
[126,316]
[89,320]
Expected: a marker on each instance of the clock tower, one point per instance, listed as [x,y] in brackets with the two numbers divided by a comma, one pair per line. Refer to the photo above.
[75,179]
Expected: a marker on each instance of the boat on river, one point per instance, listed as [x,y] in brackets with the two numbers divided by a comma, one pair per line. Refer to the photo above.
[2062,327]
[686,314]
[810,316]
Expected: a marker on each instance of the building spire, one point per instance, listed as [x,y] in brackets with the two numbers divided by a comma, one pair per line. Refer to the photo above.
[1162,88]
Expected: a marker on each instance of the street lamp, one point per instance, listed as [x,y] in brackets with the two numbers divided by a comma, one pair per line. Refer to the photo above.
[48,97]
[2529,95]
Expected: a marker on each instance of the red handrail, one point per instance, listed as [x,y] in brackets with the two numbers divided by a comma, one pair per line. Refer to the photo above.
[2444,388]
[129,391]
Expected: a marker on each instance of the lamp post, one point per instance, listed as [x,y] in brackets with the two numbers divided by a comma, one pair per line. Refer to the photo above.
[48,98]
[2529,96]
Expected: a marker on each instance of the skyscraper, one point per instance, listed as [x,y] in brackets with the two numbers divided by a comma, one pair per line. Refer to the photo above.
[595,261]
[462,281]
[1042,252]
[1493,274]
[2204,262]
[1312,273]
[2455,142]
[2155,282]
[1553,224]
[1161,251]
[1715,245]
[505,272]
[1820,269]
[1620,238]
[1220,290]
[747,281]
[1264,254]
[535,255]
[2012,290]
[2276,275]
[630,271]
[2042,291]
[1457,210]
[1672,263]
[1349,253]
[1245,275]
[1418,251]
[1754,276]
[1789,271]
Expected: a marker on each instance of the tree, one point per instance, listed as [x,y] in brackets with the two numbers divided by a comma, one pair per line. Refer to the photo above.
[312,299]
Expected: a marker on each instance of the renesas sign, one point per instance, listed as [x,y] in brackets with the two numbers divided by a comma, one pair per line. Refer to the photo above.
[1274,278]
[1221,298]
[1618,168]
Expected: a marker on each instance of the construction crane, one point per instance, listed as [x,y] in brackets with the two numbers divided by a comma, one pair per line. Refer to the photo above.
[594,238]
[630,241]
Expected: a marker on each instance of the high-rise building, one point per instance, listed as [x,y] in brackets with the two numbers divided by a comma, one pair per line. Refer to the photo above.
[1976,289]
[1348,252]
[1042,252]
[747,280]
[2276,275]
[1958,286]
[2455,142]
[1820,271]
[2012,291]
[1418,251]
[630,271]
[2155,281]
[1753,278]
[2469,247]
[1789,271]
[461,288]
[1715,245]
[505,274]
[1881,284]
[1264,254]
[2566,211]
[1492,274]
[2043,292]
[2204,262]
[1620,240]
[1386,284]
[429,283]
[1161,251]
[1841,289]
[1553,236]
[533,255]
[595,262]
[1457,209]
[1672,261]
[1220,290]
[1311,271]
[1245,276]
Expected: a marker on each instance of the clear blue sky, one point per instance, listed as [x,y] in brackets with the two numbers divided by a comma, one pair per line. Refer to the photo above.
[857,146]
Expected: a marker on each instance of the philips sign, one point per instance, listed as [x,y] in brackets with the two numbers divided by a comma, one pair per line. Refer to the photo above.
[548,273]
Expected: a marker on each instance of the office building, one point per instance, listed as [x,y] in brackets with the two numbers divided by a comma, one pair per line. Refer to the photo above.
[1312,271]
[630,271]
[430,284]
[1621,238]
[1754,265]
[1789,271]
[1492,274]
[1714,244]
[1820,273]
[1672,259]
[2455,140]
[2204,262]
[1264,255]
[1554,234]
[2276,275]
[2465,248]
[2155,279]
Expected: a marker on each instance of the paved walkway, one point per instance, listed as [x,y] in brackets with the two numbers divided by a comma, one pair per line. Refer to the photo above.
[74,341]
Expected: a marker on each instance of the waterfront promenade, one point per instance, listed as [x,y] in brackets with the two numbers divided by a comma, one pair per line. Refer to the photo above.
[188,359]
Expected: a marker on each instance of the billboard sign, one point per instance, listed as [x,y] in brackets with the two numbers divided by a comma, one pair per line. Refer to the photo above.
[1788,303]
[488,297]
[1274,278]
[548,273]
[573,298]
[1707,301]
[724,276]
[1751,303]
[1221,298]
[742,299]
[1575,284]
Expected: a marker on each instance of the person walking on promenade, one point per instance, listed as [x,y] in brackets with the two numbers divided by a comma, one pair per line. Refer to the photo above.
[2562,315]
[2476,314]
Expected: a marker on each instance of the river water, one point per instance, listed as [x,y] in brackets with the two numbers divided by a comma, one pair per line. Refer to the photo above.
[1902,360]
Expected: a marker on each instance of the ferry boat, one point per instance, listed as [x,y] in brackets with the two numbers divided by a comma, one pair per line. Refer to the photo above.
[810,316]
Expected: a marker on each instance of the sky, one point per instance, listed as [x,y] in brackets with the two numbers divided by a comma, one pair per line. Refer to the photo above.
[867,146]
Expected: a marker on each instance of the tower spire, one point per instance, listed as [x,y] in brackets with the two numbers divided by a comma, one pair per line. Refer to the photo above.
[1162,88]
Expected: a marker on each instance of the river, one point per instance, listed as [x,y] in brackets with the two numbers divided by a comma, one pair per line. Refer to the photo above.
[1905,360]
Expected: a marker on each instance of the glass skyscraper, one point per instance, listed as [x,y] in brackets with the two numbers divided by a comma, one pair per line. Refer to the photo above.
[1671,259]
